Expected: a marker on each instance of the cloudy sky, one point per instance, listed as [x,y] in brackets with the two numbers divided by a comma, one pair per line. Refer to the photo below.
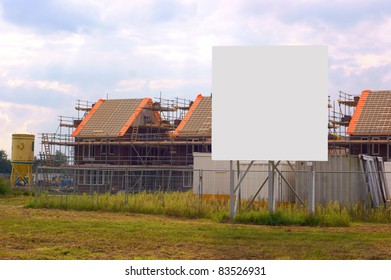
[53,52]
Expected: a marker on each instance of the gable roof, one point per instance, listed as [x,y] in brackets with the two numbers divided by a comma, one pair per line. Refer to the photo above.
[111,118]
[198,120]
[372,115]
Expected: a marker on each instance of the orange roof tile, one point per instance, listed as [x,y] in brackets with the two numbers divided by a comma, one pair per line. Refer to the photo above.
[133,117]
[113,117]
[198,120]
[357,112]
[87,118]
[372,115]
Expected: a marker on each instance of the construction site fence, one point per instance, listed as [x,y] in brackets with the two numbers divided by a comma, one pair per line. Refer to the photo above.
[346,187]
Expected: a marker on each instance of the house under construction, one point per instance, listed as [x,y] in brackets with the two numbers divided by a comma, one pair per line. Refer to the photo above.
[127,144]
[144,144]
[361,124]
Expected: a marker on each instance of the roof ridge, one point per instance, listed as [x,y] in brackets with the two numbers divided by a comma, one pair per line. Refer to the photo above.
[357,112]
[89,115]
[188,115]
[136,113]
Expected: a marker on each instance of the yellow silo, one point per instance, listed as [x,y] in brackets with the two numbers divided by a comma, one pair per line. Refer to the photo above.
[22,159]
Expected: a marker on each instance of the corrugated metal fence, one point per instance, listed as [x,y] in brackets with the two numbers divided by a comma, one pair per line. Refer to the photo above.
[339,179]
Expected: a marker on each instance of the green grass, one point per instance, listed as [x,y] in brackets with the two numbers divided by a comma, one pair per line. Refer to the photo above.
[28,233]
[186,205]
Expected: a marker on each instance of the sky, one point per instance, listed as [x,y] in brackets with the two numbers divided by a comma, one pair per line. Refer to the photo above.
[54,52]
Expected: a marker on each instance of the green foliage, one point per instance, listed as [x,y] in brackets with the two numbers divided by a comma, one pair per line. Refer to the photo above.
[59,158]
[5,187]
[331,215]
[5,163]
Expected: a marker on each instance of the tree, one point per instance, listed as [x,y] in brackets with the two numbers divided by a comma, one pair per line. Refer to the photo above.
[56,159]
[59,158]
[37,162]
[5,163]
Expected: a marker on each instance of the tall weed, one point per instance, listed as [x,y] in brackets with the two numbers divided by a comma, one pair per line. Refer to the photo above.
[187,205]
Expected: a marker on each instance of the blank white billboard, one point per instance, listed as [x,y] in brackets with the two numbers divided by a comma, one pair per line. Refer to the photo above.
[269,103]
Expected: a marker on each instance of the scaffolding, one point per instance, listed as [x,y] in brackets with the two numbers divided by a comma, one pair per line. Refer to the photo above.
[83,107]
[340,113]
[146,152]
[172,111]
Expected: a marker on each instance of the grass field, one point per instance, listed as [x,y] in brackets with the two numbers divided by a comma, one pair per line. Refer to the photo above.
[27,233]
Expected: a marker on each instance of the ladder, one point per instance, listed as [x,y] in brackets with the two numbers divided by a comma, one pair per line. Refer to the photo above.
[47,156]
[134,133]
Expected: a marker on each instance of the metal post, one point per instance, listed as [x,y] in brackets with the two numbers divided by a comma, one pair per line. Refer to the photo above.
[271,191]
[239,190]
[279,190]
[231,191]
[200,185]
[311,193]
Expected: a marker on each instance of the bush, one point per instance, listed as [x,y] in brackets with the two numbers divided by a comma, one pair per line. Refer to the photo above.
[5,187]
[331,216]
[7,190]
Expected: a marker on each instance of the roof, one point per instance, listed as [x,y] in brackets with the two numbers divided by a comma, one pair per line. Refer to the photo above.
[372,115]
[111,117]
[198,120]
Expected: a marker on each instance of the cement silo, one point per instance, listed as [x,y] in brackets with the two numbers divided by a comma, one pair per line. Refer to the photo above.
[22,159]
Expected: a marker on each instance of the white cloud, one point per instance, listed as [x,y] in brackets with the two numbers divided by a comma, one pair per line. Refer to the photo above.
[45,85]
[114,11]
[17,117]
[142,88]
[373,60]
[174,83]
[130,85]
